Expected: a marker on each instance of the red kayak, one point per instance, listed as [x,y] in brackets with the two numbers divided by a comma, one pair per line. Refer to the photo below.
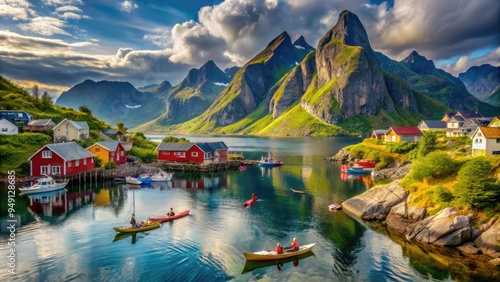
[250,202]
[169,218]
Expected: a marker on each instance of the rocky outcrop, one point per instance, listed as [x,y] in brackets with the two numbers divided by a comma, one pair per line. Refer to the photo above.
[376,203]
[396,171]
[342,156]
[489,241]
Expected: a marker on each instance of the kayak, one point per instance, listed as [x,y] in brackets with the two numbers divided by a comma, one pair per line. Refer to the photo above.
[146,226]
[297,191]
[272,255]
[166,218]
[255,264]
[250,202]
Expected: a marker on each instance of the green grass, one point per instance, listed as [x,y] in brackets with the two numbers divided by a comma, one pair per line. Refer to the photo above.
[16,149]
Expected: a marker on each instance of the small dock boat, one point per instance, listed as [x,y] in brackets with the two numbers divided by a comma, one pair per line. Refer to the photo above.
[269,162]
[44,184]
[132,180]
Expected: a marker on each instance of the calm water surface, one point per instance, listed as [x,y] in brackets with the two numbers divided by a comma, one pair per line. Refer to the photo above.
[68,235]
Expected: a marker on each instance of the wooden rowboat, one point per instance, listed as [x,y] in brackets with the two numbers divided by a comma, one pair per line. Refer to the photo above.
[272,255]
[145,226]
[166,218]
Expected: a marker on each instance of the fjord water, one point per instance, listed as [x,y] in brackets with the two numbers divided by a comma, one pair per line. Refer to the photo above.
[68,235]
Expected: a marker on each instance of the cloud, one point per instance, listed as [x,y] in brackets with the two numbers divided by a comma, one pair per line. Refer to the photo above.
[62,2]
[160,37]
[45,26]
[16,9]
[465,62]
[128,6]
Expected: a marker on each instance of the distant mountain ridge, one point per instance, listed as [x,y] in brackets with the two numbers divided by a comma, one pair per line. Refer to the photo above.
[483,82]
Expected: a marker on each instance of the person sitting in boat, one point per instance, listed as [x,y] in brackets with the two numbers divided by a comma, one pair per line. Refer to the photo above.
[295,245]
[132,221]
[279,249]
[171,212]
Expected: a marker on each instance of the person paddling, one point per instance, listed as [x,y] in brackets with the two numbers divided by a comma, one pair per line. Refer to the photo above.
[279,249]
[171,212]
[132,220]
[295,245]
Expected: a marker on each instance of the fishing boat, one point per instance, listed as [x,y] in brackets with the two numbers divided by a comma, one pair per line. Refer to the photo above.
[297,191]
[366,163]
[166,218]
[335,207]
[250,202]
[269,162]
[132,180]
[44,184]
[272,255]
[161,176]
[145,226]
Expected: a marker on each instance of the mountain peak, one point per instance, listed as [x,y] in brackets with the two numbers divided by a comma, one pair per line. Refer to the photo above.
[418,63]
[282,37]
[301,42]
[350,31]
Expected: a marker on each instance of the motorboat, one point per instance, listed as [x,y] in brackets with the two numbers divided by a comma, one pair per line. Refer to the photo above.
[44,184]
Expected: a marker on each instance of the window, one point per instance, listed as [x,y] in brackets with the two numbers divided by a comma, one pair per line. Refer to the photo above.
[194,154]
[180,154]
[112,154]
[47,154]
[97,150]
[84,161]
[122,153]
[67,125]
[77,162]
[45,169]
[56,170]
[498,140]
[69,163]
[20,115]
[92,160]
[4,129]
[165,153]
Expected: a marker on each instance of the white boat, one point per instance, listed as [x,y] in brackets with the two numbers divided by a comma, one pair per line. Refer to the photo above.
[161,176]
[44,184]
[132,180]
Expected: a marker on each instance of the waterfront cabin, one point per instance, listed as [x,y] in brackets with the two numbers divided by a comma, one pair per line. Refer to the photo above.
[403,133]
[208,152]
[69,130]
[379,133]
[15,116]
[61,159]
[495,122]
[432,125]
[109,151]
[114,133]
[7,127]
[39,125]
[486,141]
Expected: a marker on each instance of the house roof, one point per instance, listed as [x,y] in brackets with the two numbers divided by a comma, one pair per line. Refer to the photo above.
[111,131]
[108,145]
[171,146]
[474,122]
[40,122]
[490,132]
[406,130]
[126,146]
[456,118]
[9,121]
[493,120]
[68,151]
[380,131]
[208,147]
[469,114]
[450,114]
[77,124]
[434,123]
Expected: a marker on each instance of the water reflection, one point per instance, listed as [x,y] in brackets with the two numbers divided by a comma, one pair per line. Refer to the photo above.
[366,179]
[199,181]
[58,203]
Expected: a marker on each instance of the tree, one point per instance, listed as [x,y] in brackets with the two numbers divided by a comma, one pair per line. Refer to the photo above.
[172,139]
[474,186]
[46,102]
[85,109]
[434,165]
[35,91]
[121,127]
[427,143]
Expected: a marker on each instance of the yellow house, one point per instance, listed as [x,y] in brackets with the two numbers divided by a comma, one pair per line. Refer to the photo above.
[403,133]
[495,122]
[69,130]
[109,151]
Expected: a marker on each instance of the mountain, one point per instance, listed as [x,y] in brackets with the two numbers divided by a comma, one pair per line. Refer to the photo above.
[230,72]
[159,89]
[113,101]
[437,84]
[483,82]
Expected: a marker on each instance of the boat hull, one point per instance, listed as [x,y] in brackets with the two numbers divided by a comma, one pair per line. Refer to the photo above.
[133,181]
[170,218]
[129,229]
[271,255]
[59,186]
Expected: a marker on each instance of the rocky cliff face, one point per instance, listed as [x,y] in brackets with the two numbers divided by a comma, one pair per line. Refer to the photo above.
[483,82]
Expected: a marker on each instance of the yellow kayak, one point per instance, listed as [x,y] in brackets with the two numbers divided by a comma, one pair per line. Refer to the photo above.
[272,255]
[145,226]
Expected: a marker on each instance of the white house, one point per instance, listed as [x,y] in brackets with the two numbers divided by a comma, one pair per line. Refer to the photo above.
[68,130]
[486,141]
[7,127]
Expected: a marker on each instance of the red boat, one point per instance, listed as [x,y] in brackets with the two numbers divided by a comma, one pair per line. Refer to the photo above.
[250,202]
[169,218]
[366,164]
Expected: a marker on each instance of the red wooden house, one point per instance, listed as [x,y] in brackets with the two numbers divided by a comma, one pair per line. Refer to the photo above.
[109,151]
[212,152]
[61,159]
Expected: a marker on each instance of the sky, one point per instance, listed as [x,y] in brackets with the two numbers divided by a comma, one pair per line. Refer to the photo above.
[57,44]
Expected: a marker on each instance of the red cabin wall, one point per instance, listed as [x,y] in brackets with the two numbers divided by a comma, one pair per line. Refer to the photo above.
[37,161]
[81,167]
[122,160]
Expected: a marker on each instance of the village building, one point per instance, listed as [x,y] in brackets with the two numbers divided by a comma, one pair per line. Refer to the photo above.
[109,151]
[448,115]
[39,125]
[495,122]
[7,127]
[432,125]
[486,141]
[69,130]
[403,133]
[61,159]
[15,116]
[471,124]
[210,152]
[453,126]
[114,133]
[379,133]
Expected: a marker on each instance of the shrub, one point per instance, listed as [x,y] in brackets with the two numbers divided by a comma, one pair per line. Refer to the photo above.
[433,166]
[474,186]
[427,143]
[401,147]
[110,165]
[443,194]
[97,161]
